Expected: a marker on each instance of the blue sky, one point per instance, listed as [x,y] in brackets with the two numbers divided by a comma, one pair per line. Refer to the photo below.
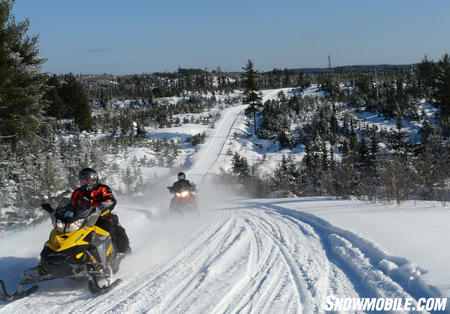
[137,36]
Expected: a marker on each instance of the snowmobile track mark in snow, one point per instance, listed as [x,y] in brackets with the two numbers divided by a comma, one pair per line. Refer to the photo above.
[303,293]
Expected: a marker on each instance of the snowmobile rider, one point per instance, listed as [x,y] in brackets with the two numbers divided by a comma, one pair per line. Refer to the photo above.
[92,193]
[182,184]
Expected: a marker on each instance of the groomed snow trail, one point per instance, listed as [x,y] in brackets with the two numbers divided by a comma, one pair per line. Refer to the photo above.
[240,255]
[243,261]
[245,258]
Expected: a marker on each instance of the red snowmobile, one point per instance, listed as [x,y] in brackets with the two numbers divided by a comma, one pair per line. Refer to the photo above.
[183,200]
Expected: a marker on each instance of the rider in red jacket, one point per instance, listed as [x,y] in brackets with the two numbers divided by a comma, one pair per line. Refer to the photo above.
[91,193]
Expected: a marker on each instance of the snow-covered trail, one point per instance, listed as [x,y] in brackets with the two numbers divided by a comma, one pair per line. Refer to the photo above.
[244,260]
[198,167]
[248,257]
[240,255]
[210,155]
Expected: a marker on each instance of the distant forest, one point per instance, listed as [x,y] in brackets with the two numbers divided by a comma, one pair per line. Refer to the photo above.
[46,120]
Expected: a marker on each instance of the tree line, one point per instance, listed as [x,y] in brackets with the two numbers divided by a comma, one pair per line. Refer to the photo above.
[345,156]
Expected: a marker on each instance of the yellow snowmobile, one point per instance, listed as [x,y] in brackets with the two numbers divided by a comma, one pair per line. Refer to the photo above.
[77,248]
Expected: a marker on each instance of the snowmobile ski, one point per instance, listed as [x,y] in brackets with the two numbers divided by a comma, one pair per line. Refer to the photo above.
[96,290]
[5,296]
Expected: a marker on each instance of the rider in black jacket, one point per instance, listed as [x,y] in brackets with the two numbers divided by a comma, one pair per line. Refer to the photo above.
[182,184]
[189,200]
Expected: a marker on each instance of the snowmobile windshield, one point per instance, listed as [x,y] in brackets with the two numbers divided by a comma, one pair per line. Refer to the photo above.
[69,213]
[70,219]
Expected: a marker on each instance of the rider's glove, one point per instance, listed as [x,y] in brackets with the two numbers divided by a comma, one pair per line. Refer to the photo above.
[47,207]
[105,205]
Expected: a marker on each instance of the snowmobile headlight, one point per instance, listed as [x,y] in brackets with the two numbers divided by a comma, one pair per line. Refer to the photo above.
[60,225]
[74,226]
[183,194]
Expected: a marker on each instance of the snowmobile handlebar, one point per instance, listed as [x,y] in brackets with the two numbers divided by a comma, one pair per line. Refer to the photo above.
[103,206]
[191,189]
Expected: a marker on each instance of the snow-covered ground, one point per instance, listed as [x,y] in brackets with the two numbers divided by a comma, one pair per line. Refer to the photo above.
[248,255]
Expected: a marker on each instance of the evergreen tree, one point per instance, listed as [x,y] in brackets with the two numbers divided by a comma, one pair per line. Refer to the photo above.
[325,162]
[425,131]
[345,150]
[334,127]
[21,83]
[286,175]
[240,166]
[251,96]
[353,140]
[9,164]
[426,71]
[398,139]
[75,98]
[374,146]
[363,155]
[443,89]
[311,169]
[56,107]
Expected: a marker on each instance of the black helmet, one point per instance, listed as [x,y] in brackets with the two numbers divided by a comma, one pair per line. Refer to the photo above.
[88,177]
[181,176]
